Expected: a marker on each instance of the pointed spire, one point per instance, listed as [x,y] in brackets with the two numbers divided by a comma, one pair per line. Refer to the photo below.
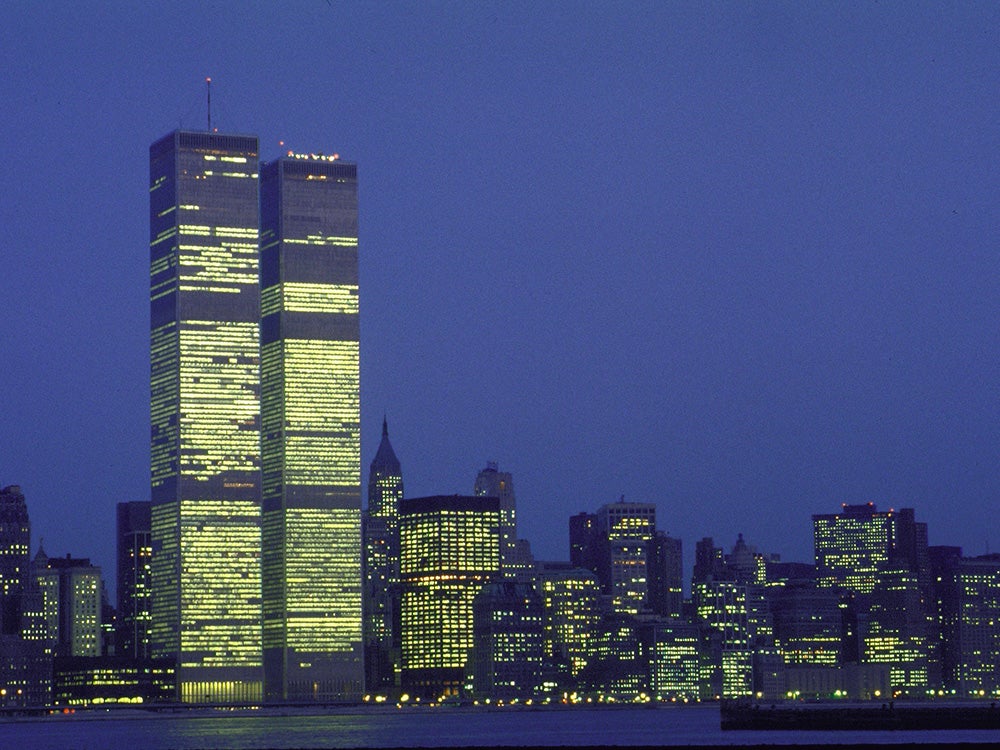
[385,461]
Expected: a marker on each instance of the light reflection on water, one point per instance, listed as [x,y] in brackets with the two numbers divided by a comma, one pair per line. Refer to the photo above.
[442,727]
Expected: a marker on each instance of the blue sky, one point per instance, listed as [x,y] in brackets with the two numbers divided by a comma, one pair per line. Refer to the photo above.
[737,259]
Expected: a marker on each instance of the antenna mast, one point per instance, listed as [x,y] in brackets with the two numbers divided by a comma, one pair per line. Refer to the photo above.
[208,89]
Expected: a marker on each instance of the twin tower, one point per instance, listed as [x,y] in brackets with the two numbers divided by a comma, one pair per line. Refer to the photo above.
[255,421]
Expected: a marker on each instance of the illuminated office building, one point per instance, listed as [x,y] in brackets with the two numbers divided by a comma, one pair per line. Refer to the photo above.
[671,650]
[624,530]
[135,553]
[380,568]
[854,545]
[570,613]
[507,652]
[310,429]
[205,413]
[969,603]
[491,482]
[449,548]
[71,603]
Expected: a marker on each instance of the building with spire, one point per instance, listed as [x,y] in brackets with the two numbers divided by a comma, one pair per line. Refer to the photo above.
[380,570]
[310,429]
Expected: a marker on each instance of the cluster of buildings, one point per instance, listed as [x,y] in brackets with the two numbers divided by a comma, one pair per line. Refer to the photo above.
[254,574]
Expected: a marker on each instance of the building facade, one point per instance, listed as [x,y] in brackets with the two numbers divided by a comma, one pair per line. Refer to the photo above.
[491,482]
[450,548]
[135,553]
[205,413]
[380,569]
[310,429]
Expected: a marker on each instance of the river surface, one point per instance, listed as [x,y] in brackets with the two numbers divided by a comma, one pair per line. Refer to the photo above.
[426,727]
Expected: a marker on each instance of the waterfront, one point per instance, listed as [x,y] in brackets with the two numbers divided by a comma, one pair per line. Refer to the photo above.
[427,727]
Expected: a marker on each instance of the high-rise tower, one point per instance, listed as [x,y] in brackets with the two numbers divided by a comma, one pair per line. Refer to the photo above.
[134,559]
[205,413]
[380,571]
[310,429]
[15,538]
[491,482]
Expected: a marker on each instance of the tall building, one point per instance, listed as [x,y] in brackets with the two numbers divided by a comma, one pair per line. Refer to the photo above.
[970,612]
[310,429]
[625,528]
[15,541]
[491,482]
[135,552]
[205,413]
[853,546]
[71,591]
[380,569]
[449,548]
[665,570]
[570,614]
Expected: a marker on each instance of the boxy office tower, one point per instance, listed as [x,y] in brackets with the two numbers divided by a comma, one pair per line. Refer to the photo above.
[205,413]
[310,422]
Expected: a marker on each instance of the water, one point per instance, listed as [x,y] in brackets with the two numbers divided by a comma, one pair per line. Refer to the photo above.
[426,727]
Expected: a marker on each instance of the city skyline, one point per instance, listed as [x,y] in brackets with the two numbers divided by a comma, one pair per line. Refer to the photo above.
[739,265]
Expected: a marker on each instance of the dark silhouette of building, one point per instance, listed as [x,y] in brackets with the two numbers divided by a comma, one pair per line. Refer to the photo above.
[665,569]
[310,429]
[380,569]
[584,541]
[135,552]
[15,543]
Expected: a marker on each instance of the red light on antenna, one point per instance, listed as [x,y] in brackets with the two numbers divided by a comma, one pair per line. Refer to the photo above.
[208,80]
[281,143]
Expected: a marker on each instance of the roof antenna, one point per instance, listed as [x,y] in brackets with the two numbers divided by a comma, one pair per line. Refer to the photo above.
[208,89]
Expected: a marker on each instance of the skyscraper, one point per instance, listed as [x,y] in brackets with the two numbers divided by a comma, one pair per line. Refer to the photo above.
[15,539]
[380,571]
[449,549]
[310,429]
[205,413]
[491,482]
[135,553]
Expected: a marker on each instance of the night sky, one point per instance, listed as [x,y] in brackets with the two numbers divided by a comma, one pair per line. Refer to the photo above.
[740,259]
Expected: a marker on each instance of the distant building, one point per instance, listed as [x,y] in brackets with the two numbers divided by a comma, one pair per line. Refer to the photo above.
[854,545]
[449,548]
[808,622]
[15,541]
[508,644]
[671,649]
[570,613]
[135,552]
[205,413]
[380,568]
[71,600]
[624,530]
[665,571]
[112,680]
[584,541]
[491,482]
[310,430]
[25,662]
[969,602]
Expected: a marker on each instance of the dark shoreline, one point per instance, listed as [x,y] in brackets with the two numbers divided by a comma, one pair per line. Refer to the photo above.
[860,716]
